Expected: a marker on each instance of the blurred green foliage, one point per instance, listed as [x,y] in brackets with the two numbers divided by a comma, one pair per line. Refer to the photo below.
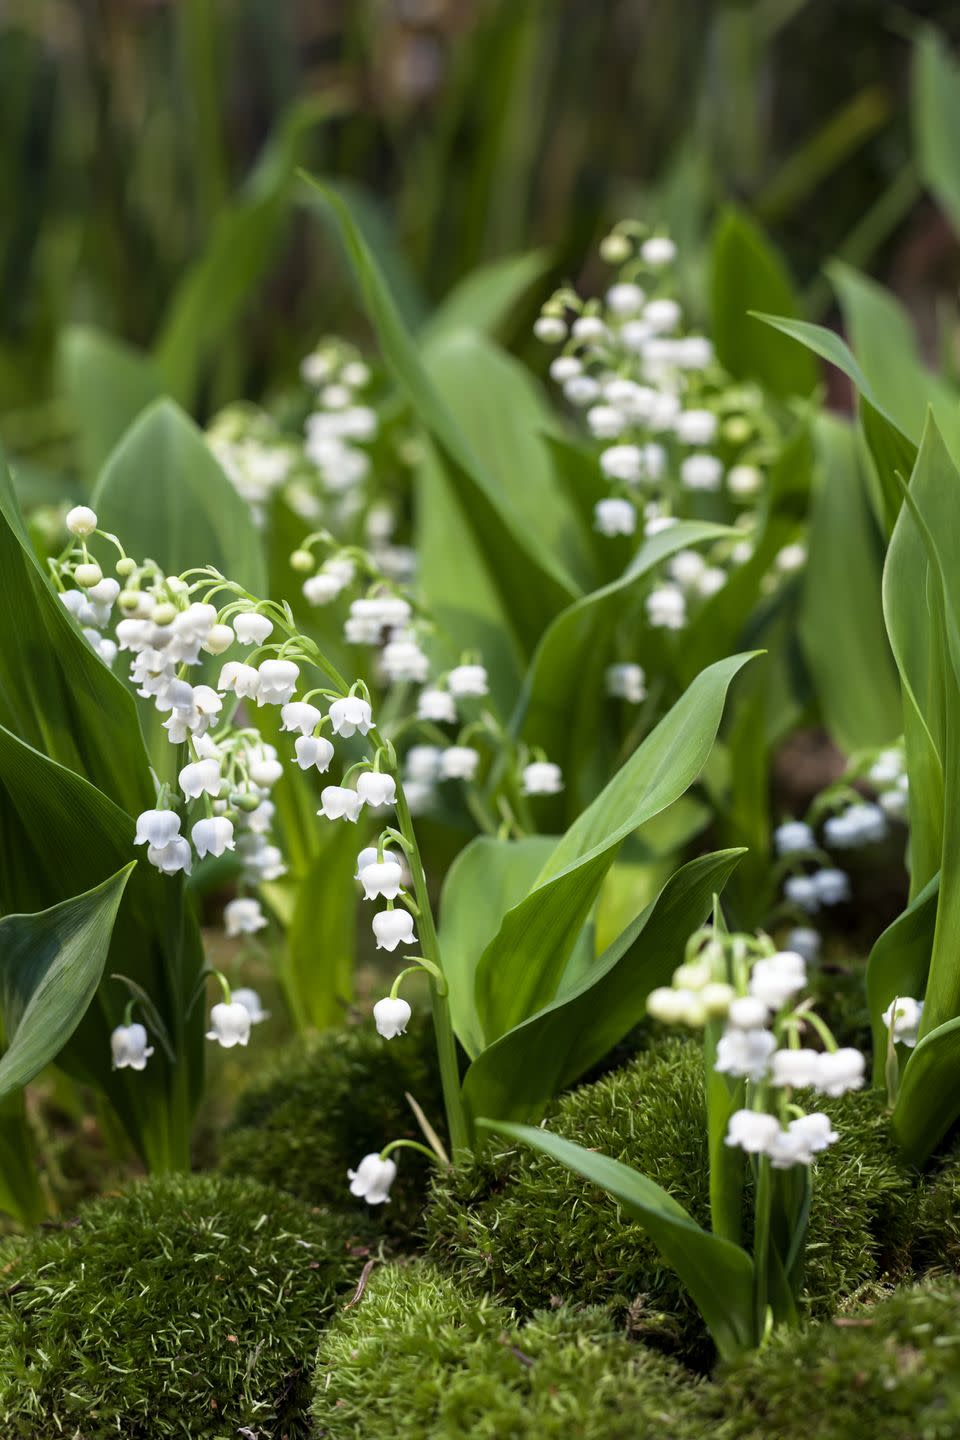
[149,150]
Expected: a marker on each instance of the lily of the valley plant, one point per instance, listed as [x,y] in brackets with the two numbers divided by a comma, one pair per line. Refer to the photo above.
[768,1056]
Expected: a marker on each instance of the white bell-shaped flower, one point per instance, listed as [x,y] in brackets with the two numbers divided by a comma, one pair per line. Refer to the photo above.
[792,837]
[832,886]
[391,1017]
[404,662]
[696,427]
[541,777]
[745,1053]
[467,680]
[321,588]
[801,891]
[904,1014]
[422,764]
[797,1068]
[658,251]
[744,481]
[172,857]
[376,790]
[805,941]
[747,1013]
[157,827]
[243,680]
[437,706]
[243,916]
[702,472]
[662,315]
[776,978]
[626,681]
[213,836]
[380,877]
[218,639]
[299,715]
[349,715]
[252,628]
[313,751]
[393,928]
[339,803]
[200,777]
[277,681]
[753,1131]
[614,516]
[840,1070]
[372,1179]
[666,607]
[81,520]
[459,762]
[251,1002]
[128,1045]
[229,1024]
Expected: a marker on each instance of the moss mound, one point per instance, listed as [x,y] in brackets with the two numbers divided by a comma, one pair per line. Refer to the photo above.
[523,1226]
[185,1306]
[420,1357]
[889,1372]
[307,1120]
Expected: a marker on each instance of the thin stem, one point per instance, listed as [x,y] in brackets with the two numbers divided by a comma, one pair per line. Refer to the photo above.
[761,1244]
[409,1145]
[443,1026]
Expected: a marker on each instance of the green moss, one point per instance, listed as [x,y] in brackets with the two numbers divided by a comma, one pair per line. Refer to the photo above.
[303,1123]
[533,1232]
[186,1306]
[419,1357]
[889,1372]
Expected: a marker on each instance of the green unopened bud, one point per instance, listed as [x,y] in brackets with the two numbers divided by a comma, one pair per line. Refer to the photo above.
[301,560]
[615,249]
[737,430]
[129,600]
[88,575]
[164,613]
[245,801]
[126,566]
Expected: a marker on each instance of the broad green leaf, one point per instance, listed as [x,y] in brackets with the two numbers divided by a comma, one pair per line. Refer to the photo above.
[929,1099]
[891,454]
[486,880]
[931,509]
[913,610]
[50,966]
[59,835]
[20,1192]
[564,697]
[886,441]
[531,586]
[823,342]
[748,275]
[898,965]
[504,417]
[717,1273]
[486,299]
[212,294]
[105,384]
[522,968]
[841,620]
[936,119]
[317,967]
[518,1075]
[54,691]
[882,336]
[164,494]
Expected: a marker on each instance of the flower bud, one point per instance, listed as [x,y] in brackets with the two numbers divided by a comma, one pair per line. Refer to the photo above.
[218,639]
[301,560]
[81,520]
[88,575]
[125,566]
[164,613]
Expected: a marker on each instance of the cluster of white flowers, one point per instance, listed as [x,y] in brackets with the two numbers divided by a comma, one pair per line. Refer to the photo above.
[255,456]
[755,990]
[846,822]
[340,424]
[670,423]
